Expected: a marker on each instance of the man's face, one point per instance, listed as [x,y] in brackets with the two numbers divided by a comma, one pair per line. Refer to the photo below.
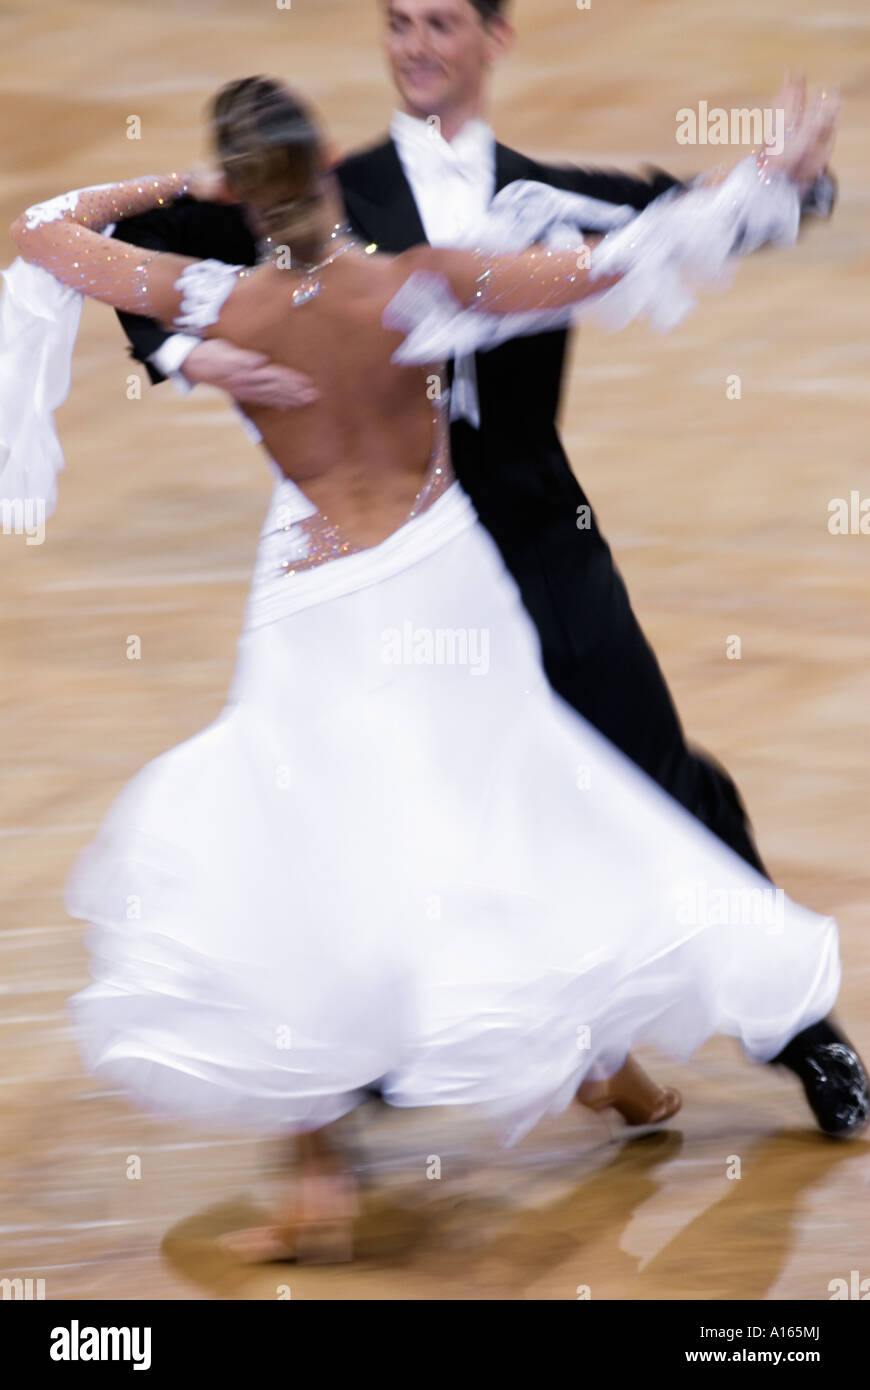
[440,52]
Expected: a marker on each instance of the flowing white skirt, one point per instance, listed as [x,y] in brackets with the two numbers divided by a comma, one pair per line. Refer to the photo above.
[397,856]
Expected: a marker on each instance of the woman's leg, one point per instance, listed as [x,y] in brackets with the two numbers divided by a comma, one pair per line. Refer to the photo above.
[313,1217]
[634,1094]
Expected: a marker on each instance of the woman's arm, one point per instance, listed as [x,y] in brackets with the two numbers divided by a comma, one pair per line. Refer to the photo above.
[63,237]
[518,283]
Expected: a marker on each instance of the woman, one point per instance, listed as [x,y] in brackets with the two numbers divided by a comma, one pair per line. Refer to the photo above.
[397,858]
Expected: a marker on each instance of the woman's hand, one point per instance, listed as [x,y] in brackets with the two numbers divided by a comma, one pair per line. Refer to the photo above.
[209,185]
[811,130]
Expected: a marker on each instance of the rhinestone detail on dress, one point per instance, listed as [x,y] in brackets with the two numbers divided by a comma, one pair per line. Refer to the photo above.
[324,540]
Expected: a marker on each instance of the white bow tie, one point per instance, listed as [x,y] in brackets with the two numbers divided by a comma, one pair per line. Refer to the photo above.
[424,143]
[436,159]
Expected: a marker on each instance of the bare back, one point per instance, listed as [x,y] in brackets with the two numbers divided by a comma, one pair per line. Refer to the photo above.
[360,452]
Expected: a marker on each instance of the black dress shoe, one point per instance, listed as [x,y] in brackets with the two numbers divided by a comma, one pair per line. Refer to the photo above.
[833,1078]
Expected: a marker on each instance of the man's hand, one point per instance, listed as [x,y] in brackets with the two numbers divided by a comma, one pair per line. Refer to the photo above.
[249,377]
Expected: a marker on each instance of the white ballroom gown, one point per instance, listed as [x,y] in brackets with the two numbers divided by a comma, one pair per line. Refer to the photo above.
[398,857]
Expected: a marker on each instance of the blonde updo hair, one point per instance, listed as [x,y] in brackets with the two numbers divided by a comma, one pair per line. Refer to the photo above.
[269,147]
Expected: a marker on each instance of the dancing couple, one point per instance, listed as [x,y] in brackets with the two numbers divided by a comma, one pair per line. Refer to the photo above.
[394,874]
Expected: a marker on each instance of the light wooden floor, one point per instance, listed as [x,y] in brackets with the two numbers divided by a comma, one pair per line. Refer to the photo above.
[717,510]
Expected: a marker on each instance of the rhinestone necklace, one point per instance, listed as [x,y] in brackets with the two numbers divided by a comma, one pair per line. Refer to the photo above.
[311,286]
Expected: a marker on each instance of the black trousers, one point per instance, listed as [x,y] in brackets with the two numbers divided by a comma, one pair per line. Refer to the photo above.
[619,687]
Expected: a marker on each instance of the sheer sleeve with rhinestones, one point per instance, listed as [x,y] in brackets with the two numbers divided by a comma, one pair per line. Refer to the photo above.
[65,237]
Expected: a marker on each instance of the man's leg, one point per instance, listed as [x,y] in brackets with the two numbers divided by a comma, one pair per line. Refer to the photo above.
[833,1078]
[602,664]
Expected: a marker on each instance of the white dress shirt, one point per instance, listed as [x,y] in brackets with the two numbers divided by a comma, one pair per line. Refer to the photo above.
[453,183]
[171,356]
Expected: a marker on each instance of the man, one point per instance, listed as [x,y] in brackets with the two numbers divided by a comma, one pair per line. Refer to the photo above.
[435,175]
